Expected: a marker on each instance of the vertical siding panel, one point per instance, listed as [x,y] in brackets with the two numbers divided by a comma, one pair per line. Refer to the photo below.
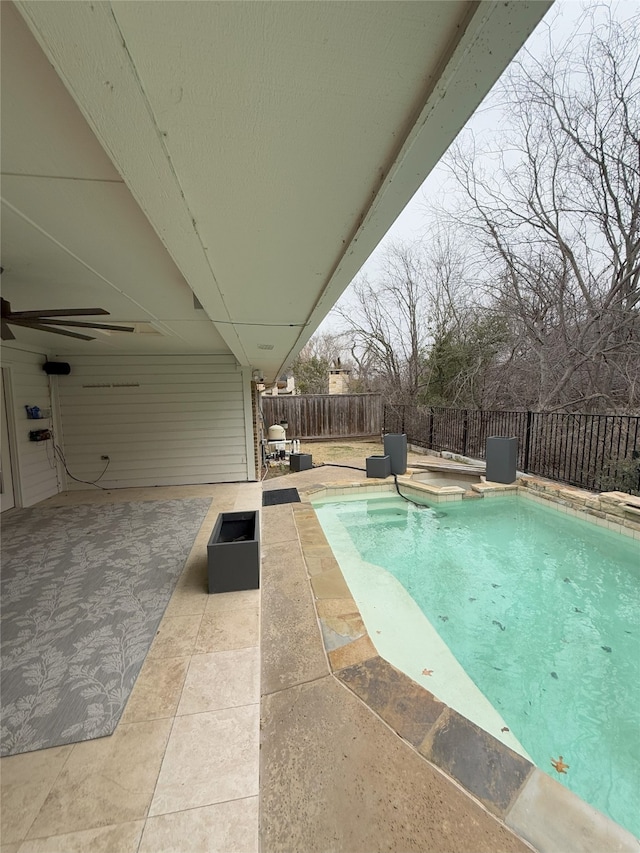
[162,420]
[36,476]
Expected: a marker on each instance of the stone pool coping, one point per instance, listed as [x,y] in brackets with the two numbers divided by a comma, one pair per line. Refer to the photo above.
[526,800]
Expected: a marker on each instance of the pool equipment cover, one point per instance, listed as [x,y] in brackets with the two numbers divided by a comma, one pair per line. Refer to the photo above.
[300,462]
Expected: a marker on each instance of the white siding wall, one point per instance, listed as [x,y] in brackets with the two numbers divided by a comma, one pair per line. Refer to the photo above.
[34,469]
[162,420]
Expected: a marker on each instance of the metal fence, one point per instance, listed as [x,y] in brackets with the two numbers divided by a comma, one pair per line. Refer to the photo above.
[596,452]
[325,415]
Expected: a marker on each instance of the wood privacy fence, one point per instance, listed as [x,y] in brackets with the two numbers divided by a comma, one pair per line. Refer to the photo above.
[597,452]
[325,415]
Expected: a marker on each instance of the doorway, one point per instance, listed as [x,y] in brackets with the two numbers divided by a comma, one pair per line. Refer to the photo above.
[7,494]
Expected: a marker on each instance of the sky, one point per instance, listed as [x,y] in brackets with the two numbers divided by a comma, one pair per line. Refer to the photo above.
[558,24]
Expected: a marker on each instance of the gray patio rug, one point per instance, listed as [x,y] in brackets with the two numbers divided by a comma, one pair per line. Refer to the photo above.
[83,590]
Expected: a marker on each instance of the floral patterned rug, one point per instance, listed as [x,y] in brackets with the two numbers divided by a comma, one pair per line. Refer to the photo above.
[83,589]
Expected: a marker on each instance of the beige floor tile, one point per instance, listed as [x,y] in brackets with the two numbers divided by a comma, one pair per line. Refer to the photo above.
[194,571]
[105,781]
[230,827]
[122,838]
[223,602]
[10,848]
[188,600]
[157,690]
[235,629]
[250,498]
[221,680]
[26,782]
[193,579]
[176,637]
[210,758]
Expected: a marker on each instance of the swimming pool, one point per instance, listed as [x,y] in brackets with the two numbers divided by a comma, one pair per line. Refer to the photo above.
[518,616]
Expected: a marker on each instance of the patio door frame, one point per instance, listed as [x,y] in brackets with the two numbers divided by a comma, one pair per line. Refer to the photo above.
[9,455]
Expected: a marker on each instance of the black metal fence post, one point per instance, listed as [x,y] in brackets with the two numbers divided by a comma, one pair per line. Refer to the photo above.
[465,431]
[527,442]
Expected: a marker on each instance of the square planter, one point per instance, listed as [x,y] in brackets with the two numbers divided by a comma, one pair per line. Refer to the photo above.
[502,457]
[300,462]
[233,552]
[378,466]
[395,446]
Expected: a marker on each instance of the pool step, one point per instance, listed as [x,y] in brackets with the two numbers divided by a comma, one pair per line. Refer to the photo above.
[470,495]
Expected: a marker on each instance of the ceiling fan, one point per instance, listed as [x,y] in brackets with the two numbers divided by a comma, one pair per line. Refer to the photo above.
[46,321]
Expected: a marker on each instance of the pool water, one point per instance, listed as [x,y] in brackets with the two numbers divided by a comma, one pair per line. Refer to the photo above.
[540,609]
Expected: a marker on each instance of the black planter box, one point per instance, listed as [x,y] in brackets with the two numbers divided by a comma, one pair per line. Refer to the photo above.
[378,466]
[501,457]
[300,462]
[233,552]
[395,447]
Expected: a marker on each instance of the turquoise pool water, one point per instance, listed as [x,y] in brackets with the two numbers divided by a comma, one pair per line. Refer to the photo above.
[541,610]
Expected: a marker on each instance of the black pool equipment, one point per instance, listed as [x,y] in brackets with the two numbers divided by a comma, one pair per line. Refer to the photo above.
[300,462]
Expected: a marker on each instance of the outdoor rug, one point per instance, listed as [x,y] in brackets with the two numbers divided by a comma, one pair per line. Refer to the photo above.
[280,496]
[83,590]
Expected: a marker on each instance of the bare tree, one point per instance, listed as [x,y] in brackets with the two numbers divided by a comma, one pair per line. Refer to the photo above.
[556,209]
[393,321]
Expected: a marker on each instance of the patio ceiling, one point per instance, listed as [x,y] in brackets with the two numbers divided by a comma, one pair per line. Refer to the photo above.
[251,154]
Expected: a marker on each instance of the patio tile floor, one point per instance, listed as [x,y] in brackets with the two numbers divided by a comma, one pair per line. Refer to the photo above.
[180,772]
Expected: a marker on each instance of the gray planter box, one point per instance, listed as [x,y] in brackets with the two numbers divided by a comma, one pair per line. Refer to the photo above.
[233,552]
[502,455]
[300,462]
[395,447]
[378,466]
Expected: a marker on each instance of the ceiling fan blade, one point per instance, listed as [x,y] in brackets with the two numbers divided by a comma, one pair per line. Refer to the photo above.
[75,323]
[7,334]
[57,312]
[28,324]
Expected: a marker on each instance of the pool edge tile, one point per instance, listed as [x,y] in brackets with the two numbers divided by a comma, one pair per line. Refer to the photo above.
[552,818]
[352,653]
[484,766]
[407,707]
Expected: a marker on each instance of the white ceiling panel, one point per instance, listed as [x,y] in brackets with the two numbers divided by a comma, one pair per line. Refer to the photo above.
[250,153]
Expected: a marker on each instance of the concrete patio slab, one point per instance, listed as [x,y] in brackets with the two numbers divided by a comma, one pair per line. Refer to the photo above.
[335,777]
[292,648]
